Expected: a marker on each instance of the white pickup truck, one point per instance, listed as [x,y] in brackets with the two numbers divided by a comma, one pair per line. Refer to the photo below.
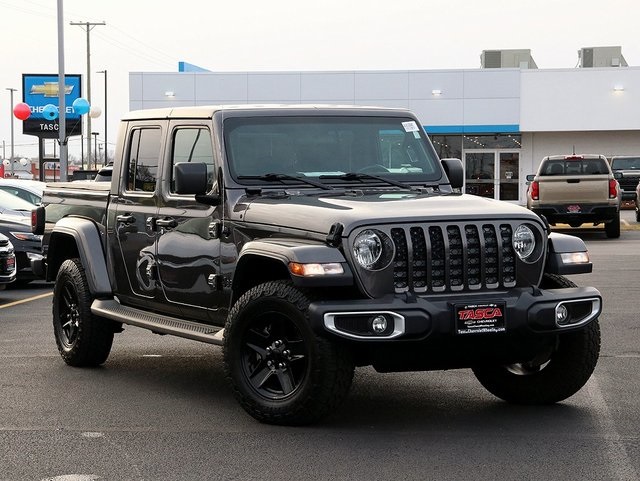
[575,190]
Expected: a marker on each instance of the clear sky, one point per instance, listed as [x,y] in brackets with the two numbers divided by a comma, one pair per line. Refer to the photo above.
[282,35]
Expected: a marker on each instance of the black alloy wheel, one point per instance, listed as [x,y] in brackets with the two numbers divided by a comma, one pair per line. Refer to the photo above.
[82,338]
[280,370]
[274,358]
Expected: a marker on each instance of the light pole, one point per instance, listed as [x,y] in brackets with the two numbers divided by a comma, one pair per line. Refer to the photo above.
[106,147]
[95,150]
[11,113]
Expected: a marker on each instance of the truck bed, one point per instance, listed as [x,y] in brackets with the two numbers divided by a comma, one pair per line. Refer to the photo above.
[83,198]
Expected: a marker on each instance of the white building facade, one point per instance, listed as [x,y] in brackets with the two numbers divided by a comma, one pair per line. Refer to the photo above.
[500,122]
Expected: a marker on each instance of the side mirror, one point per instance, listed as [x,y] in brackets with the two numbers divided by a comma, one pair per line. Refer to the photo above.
[190,178]
[455,172]
[617,175]
[531,177]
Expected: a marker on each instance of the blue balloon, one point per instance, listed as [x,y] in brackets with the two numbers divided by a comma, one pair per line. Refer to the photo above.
[50,112]
[80,106]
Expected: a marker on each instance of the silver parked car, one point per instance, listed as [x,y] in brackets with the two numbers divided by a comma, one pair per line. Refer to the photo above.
[7,262]
[29,190]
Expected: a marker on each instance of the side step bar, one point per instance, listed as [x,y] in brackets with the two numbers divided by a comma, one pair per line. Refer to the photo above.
[112,309]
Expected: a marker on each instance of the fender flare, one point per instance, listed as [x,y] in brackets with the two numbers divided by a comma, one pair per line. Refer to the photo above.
[303,252]
[88,241]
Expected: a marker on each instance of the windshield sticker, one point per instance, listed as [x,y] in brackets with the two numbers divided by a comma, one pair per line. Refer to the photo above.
[410,126]
[416,135]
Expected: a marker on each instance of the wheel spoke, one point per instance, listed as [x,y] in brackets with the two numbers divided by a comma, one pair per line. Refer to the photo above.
[67,297]
[259,350]
[286,381]
[260,376]
[297,348]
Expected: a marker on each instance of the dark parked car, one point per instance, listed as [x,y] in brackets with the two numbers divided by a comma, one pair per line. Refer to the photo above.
[629,167]
[15,224]
[7,262]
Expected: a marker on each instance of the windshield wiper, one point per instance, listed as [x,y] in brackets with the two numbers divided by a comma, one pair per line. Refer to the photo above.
[362,176]
[282,177]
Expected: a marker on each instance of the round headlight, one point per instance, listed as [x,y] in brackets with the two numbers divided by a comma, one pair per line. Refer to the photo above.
[524,242]
[372,249]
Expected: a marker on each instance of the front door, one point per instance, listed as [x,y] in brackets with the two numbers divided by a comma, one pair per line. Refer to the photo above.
[188,243]
[492,173]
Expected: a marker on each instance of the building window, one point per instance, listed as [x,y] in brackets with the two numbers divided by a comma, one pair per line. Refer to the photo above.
[496,141]
[447,146]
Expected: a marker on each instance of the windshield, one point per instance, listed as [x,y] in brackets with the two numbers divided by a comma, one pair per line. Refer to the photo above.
[626,163]
[12,202]
[327,147]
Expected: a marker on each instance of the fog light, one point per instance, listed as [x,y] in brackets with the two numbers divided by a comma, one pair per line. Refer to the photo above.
[562,314]
[379,324]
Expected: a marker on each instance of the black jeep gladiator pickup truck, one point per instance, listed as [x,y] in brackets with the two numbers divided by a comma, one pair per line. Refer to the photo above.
[306,241]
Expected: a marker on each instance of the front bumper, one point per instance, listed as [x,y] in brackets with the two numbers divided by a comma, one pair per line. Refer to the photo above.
[524,311]
[424,333]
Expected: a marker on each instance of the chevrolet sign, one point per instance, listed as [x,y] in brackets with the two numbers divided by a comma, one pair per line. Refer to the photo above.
[42,89]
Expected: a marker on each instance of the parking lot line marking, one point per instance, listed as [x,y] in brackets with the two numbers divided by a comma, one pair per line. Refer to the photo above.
[619,461]
[28,299]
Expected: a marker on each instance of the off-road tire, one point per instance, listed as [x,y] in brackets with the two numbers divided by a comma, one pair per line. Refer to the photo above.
[612,229]
[83,339]
[559,377]
[305,386]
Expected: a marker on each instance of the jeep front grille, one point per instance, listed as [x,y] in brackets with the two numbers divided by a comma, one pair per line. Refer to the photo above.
[454,257]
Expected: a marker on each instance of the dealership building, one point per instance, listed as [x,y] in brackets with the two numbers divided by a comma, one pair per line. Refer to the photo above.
[500,119]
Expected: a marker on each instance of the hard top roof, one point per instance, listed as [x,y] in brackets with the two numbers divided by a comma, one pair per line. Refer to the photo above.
[207,111]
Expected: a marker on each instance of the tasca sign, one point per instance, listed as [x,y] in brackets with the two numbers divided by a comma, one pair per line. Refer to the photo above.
[39,90]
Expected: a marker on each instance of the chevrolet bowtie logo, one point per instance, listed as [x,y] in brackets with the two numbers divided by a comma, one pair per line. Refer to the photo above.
[49,89]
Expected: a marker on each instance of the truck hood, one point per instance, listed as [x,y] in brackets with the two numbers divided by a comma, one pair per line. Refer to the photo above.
[316,213]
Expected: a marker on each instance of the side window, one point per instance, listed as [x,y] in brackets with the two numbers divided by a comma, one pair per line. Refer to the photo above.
[144,153]
[193,145]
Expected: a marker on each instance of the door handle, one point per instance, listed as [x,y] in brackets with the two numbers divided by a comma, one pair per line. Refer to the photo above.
[126,219]
[169,223]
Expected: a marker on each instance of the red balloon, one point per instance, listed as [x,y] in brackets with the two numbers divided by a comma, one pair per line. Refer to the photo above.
[22,111]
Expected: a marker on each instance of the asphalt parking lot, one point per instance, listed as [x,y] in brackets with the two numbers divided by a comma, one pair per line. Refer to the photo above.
[160,409]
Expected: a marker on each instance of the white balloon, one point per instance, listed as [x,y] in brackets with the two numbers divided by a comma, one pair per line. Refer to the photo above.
[95,112]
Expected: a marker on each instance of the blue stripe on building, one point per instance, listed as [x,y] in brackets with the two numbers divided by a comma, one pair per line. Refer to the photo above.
[473,129]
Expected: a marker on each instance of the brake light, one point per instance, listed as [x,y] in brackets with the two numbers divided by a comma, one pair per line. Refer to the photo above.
[573,157]
[613,188]
[534,189]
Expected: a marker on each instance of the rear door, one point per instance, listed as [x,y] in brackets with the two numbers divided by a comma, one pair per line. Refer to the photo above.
[188,243]
[133,238]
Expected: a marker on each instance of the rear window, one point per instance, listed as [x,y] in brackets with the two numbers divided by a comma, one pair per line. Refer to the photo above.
[574,167]
[625,163]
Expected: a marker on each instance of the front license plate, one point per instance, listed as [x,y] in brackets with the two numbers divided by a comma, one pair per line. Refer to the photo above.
[480,318]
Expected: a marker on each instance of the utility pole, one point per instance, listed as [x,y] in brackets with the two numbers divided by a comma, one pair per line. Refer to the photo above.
[88,26]
[11,110]
[62,105]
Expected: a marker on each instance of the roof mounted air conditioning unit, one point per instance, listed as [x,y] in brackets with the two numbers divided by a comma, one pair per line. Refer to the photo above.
[514,58]
[590,57]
